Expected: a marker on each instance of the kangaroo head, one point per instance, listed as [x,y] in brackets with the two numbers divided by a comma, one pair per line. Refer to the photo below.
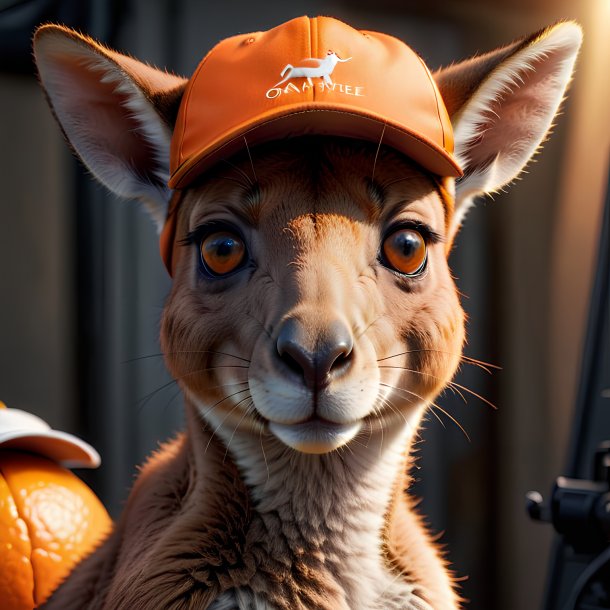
[312,300]
[314,309]
[335,58]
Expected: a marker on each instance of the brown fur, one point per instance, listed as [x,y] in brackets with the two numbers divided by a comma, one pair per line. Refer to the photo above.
[228,508]
[182,500]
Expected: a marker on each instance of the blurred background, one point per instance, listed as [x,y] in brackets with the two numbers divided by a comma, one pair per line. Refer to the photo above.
[82,285]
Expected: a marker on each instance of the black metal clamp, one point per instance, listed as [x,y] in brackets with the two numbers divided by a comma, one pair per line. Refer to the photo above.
[579,510]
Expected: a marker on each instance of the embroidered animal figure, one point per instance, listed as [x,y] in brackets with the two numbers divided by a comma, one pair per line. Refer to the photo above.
[322,68]
[313,318]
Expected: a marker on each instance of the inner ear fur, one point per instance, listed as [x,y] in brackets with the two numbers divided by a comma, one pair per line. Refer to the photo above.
[502,106]
[117,112]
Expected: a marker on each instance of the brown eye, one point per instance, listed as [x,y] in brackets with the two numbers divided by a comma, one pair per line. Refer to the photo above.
[222,252]
[405,251]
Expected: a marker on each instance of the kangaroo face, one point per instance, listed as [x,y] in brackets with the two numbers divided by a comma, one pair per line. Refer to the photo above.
[312,306]
[309,330]
[315,336]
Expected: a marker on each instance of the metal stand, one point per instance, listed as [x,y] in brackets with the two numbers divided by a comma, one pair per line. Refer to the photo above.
[579,506]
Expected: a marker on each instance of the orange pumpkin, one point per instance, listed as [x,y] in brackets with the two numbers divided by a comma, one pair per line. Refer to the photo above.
[49,520]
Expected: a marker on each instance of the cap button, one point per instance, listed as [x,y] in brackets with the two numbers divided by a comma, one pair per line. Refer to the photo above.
[249,40]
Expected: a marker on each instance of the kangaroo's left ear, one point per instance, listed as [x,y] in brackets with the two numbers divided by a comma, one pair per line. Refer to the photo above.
[502,106]
[116,112]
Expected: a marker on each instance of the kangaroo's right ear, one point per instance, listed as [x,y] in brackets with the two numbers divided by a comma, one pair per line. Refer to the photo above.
[116,112]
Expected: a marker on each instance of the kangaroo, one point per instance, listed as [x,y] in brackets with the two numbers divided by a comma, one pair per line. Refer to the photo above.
[321,68]
[312,318]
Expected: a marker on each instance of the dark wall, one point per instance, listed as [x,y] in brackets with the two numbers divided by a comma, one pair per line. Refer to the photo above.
[83,287]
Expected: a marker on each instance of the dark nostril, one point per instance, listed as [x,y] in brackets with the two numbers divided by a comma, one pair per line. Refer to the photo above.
[292,351]
[329,355]
[342,360]
[292,364]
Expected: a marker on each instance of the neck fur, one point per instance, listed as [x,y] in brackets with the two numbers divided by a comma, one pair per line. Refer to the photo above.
[333,506]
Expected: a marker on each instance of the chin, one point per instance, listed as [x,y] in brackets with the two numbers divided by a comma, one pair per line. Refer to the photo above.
[315,436]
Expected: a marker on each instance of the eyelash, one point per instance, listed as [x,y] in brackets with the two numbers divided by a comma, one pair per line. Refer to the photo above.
[200,233]
[197,235]
[430,236]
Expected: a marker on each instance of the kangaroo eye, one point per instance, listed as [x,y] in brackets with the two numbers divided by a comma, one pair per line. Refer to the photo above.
[222,252]
[405,251]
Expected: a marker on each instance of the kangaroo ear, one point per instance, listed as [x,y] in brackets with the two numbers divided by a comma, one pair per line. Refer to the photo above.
[116,112]
[502,106]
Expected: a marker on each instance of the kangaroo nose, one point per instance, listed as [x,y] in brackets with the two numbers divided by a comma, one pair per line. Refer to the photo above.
[316,357]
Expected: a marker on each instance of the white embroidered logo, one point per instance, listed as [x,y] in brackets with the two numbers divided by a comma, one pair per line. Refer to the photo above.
[318,68]
[323,70]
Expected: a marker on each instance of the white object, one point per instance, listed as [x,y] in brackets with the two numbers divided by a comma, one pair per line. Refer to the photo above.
[323,69]
[22,430]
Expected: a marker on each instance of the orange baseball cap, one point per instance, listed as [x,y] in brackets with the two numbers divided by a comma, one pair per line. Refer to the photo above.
[315,76]
[310,76]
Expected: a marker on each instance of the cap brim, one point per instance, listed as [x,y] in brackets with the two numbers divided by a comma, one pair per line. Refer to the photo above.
[303,119]
[26,432]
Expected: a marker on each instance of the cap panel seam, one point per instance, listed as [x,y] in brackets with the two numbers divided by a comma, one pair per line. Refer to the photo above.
[187,100]
[312,23]
[314,38]
[438,110]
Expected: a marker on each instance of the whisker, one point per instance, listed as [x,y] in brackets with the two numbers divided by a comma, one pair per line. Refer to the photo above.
[482,365]
[391,182]
[251,162]
[235,429]
[452,384]
[367,327]
[455,421]
[341,450]
[175,395]
[229,396]
[467,359]
[130,360]
[393,387]
[240,170]
[219,366]
[225,385]
[208,409]
[236,181]
[224,419]
[370,426]
[140,404]
[259,323]
[213,435]
[381,444]
[442,423]
[456,392]
[205,351]
[386,402]
[260,436]
[377,152]
[406,368]
[457,385]
[433,404]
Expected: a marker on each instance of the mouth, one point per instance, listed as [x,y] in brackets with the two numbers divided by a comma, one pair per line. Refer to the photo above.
[316,435]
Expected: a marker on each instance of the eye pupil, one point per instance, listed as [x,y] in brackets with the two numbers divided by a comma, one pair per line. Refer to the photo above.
[406,243]
[222,252]
[405,251]
[224,248]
